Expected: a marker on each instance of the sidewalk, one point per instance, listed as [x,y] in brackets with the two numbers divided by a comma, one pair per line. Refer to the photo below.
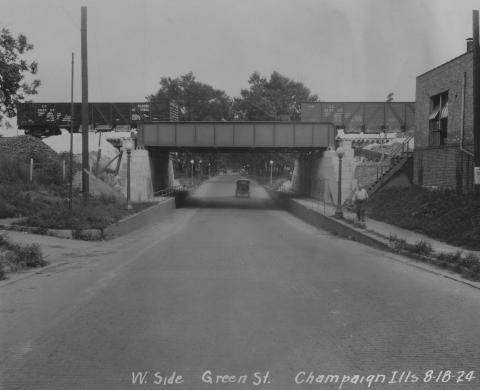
[382,229]
[56,251]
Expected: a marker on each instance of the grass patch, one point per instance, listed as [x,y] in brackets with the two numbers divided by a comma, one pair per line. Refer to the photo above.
[21,199]
[444,215]
[97,213]
[47,207]
[15,257]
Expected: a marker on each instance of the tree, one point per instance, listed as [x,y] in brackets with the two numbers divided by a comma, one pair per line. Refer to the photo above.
[276,99]
[197,101]
[13,70]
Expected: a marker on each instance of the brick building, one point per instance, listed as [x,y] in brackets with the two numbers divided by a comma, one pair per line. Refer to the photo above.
[443,155]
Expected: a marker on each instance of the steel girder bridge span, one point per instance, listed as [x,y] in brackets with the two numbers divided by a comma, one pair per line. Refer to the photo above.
[236,136]
[161,138]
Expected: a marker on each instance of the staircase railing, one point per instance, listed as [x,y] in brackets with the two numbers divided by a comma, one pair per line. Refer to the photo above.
[170,191]
[401,148]
[396,165]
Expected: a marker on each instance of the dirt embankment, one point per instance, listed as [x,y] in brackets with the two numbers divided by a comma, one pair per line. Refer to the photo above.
[24,147]
[445,215]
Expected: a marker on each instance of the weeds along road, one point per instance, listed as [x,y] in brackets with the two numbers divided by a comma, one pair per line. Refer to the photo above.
[239,290]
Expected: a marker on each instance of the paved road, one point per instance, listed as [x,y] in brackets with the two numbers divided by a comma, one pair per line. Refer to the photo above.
[242,292]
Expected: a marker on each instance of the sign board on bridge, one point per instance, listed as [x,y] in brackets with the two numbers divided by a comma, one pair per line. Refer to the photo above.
[476,175]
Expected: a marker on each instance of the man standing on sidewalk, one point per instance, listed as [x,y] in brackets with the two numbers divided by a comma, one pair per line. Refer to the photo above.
[360,198]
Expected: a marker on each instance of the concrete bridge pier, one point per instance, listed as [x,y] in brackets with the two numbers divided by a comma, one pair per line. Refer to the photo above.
[302,174]
[150,171]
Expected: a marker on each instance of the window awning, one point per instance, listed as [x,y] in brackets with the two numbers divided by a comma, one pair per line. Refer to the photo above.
[444,113]
[434,113]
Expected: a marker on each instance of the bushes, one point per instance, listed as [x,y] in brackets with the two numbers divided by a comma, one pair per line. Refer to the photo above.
[14,257]
[12,170]
[20,199]
[7,210]
[445,215]
[27,256]
[422,247]
[467,264]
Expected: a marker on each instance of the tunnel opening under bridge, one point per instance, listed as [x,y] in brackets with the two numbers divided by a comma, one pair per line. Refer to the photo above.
[282,169]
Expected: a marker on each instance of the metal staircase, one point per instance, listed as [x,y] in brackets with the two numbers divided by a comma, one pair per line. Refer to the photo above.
[398,158]
[396,165]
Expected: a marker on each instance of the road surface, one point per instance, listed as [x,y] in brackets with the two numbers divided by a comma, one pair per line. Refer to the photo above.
[240,294]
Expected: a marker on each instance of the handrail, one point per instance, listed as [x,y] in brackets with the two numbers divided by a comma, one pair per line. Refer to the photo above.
[169,191]
[387,175]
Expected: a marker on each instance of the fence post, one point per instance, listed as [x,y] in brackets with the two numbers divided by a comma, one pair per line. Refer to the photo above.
[31,170]
[63,171]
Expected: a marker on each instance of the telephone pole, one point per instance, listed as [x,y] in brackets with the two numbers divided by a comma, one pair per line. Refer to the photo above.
[476,101]
[85,163]
[72,113]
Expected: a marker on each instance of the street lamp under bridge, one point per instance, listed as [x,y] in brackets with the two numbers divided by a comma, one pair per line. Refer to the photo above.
[128,145]
[340,153]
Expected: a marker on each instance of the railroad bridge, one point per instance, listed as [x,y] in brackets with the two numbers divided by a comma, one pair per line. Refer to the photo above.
[311,138]
[235,136]
[155,141]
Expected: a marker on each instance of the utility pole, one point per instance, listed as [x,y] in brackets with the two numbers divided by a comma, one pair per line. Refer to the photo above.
[476,101]
[85,163]
[71,142]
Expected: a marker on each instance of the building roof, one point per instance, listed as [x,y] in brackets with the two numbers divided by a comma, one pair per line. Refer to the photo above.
[445,63]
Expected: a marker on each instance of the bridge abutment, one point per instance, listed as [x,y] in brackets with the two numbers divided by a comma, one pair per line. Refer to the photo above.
[324,179]
[141,189]
[316,175]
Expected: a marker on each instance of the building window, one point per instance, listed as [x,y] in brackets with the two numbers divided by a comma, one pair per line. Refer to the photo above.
[438,119]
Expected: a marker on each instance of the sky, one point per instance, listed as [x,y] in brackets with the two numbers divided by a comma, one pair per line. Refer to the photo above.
[343,50]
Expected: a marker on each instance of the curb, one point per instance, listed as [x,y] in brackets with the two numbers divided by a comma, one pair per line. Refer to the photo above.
[26,273]
[141,219]
[331,224]
[80,234]
[132,222]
